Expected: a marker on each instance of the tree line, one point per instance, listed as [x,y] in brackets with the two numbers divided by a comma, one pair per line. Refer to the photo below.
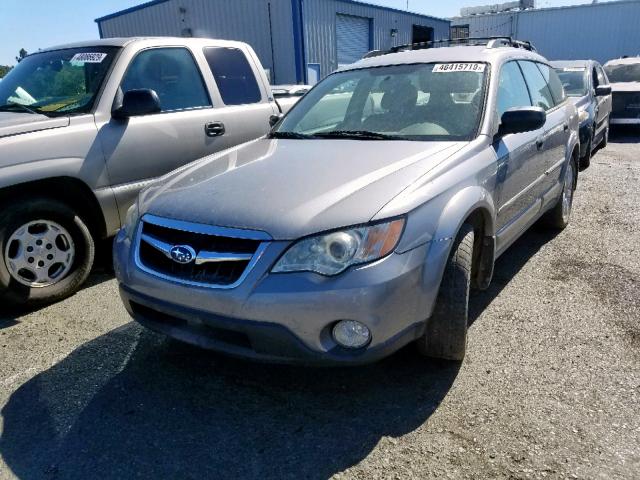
[4,69]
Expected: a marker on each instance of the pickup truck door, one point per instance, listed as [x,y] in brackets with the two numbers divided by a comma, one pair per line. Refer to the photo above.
[242,99]
[519,161]
[140,149]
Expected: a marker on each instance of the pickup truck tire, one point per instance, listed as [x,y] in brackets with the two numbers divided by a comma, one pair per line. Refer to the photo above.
[62,246]
[559,216]
[445,336]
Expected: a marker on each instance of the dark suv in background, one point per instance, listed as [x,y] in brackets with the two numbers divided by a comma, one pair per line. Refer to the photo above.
[587,86]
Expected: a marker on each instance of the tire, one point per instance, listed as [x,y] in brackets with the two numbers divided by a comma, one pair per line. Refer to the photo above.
[559,216]
[446,332]
[585,161]
[65,244]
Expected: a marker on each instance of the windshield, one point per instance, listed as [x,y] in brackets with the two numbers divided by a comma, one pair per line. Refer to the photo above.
[623,73]
[429,102]
[60,82]
[574,81]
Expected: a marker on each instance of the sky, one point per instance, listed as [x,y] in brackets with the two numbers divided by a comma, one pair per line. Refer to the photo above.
[34,24]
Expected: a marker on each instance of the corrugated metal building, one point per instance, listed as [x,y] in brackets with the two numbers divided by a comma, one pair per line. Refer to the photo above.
[298,41]
[599,31]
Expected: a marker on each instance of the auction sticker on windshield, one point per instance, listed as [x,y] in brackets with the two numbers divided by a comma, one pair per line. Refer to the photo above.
[458,67]
[88,57]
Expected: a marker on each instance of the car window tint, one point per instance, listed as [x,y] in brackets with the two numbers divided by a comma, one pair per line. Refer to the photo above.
[233,74]
[172,74]
[538,86]
[512,90]
[555,85]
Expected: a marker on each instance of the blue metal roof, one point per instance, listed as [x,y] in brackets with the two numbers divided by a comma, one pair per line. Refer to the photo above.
[354,2]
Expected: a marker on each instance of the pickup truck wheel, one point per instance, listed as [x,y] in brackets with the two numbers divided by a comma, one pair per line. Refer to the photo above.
[446,333]
[46,250]
[559,216]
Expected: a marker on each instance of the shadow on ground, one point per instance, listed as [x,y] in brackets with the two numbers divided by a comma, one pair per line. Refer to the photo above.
[508,265]
[625,134]
[134,404]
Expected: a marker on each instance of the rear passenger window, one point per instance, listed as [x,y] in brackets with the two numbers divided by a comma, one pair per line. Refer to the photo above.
[538,86]
[172,74]
[552,79]
[512,90]
[233,74]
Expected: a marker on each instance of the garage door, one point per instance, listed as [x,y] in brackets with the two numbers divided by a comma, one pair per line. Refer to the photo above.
[352,36]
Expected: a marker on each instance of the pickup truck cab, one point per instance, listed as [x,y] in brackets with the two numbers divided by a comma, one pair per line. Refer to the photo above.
[362,221]
[587,86]
[85,126]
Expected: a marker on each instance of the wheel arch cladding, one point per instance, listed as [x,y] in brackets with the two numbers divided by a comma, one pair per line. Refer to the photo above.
[72,191]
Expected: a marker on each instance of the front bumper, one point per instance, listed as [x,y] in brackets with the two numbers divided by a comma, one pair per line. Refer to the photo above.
[287,318]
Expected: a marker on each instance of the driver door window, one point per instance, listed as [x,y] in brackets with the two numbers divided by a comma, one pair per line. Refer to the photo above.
[172,74]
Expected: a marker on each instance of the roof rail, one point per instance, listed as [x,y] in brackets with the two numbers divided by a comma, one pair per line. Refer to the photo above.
[490,42]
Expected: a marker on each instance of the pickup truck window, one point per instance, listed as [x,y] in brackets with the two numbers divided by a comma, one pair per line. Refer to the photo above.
[538,86]
[574,81]
[172,73]
[512,89]
[235,79]
[423,102]
[59,82]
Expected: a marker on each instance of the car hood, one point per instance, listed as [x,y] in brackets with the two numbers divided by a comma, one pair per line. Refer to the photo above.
[16,123]
[293,188]
[625,87]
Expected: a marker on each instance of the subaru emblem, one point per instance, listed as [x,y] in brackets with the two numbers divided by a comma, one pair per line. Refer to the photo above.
[182,254]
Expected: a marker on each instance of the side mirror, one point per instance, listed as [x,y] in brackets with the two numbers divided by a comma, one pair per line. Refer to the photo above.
[136,103]
[274,119]
[603,90]
[519,120]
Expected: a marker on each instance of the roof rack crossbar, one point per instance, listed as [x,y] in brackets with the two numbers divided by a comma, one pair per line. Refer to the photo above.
[490,42]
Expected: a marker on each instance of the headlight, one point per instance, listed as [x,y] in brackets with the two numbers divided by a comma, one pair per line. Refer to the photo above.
[583,116]
[332,253]
[131,220]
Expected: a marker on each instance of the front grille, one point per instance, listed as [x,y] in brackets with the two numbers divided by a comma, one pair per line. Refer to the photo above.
[222,256]
[626,105]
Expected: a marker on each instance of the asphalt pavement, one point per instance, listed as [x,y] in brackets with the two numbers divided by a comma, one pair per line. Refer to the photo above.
[550,387]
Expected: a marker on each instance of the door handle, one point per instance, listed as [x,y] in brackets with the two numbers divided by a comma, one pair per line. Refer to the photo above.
[214,129]
[565,127]
[540,143]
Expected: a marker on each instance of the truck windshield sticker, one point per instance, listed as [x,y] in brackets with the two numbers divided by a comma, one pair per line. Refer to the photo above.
[458,67]
[87,57]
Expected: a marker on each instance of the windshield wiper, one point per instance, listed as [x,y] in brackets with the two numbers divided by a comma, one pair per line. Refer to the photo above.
[12,106]
[293,135]
[357,134]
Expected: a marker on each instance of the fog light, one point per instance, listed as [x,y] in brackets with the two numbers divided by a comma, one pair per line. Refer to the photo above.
[351,334]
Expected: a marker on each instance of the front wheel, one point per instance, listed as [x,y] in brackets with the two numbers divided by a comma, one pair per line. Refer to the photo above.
[47,252]
[446,333]
[585,161]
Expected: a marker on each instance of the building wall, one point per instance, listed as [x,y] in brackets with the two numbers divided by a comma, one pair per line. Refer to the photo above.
[320,28]
[243,20]
[302,29]
[596,31]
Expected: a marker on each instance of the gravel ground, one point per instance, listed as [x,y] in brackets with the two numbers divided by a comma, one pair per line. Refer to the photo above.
[550,387]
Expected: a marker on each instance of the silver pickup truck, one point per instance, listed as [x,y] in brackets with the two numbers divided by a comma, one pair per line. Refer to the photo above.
[84,127]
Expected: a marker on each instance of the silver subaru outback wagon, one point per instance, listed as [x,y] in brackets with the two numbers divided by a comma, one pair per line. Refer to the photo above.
[363,220]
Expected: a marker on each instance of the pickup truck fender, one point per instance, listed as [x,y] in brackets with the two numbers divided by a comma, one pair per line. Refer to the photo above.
[63,178]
